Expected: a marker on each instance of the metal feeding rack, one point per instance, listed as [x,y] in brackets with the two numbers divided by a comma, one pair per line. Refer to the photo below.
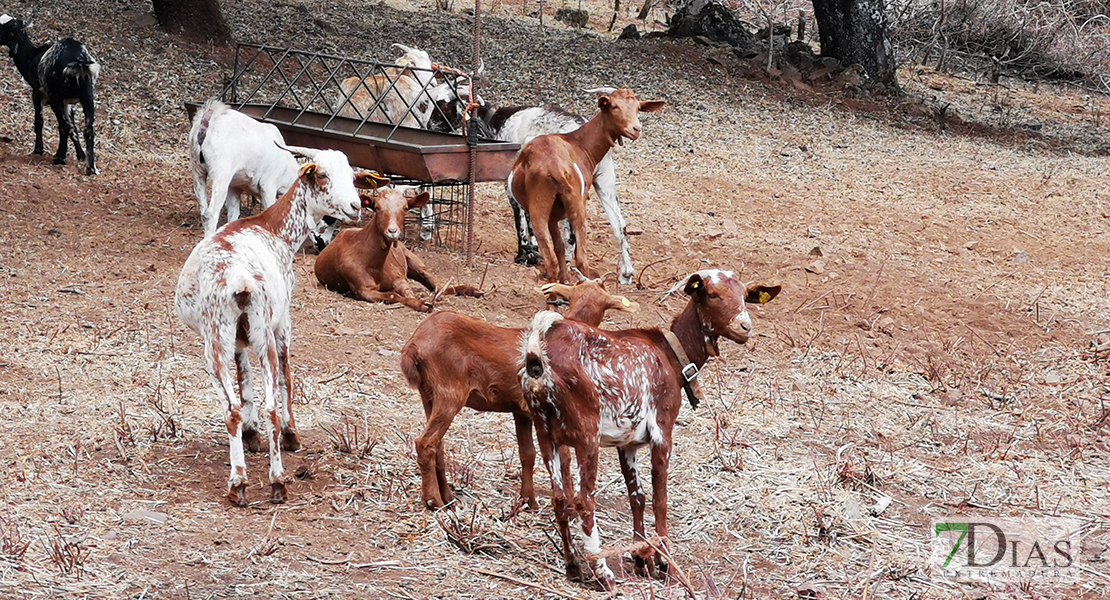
[300,93]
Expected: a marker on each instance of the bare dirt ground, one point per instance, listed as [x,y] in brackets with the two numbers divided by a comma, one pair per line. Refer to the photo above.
[934,360]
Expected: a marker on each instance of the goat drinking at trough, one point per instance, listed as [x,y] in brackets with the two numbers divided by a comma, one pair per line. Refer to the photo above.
[60,74]
[552,174]
[521,124]
[235,291]
[398,96]
[232,155]
[456,361]
[588,388]
[372,264]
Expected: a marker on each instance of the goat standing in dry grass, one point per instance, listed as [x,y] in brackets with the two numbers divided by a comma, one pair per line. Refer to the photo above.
[235,291]
[372,264]
[552,175]
[588,388]
[456,361]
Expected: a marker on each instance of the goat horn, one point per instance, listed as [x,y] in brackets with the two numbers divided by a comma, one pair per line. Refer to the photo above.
[481,69]
[299,151]
[581,278]
[601,90]
[403,48]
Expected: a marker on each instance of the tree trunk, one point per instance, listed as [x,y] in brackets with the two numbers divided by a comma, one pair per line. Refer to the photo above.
[854,32]
[196,19]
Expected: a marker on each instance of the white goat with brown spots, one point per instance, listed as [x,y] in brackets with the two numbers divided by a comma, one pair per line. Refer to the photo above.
[235,291]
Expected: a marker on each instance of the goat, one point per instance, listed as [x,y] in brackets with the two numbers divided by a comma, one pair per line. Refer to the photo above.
[552,173]
[60,74]
[235,291]
[455,361]
[521,124]
[588,388]
[398,96]
[232,155]
[372,264]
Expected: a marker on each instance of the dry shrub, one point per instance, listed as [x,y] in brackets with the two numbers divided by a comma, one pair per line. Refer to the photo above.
[1067,40]
[348,438]
[68,555]
[12,544]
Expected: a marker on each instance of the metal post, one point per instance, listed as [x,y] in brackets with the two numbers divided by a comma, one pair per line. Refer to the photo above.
[472,134]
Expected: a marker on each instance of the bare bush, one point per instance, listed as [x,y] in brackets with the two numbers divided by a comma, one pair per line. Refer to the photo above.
[12,543]
[1065,40]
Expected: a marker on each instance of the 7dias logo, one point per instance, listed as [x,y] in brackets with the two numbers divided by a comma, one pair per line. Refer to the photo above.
[987,549]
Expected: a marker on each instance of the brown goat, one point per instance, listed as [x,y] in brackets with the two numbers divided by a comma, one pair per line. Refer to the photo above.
[552,175]
[455,361]
[588,388]
[372,264]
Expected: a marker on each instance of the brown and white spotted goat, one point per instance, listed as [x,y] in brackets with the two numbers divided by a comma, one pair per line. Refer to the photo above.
[552,175]
[456,361]
[372,264]
[235,291]
[588,388]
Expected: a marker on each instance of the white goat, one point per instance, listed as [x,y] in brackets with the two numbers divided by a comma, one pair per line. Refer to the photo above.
[232,155]
[397,96]
[235,291]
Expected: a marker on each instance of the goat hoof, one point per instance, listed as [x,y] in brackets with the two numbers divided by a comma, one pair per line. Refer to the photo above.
[290,441]
[625,279]
[252,441]
[528,258]
[277,492]
[59,161]
[92,171]
[574,571]
[237,494]
[38,151]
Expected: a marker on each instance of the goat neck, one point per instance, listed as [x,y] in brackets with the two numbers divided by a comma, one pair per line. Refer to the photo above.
[25,54]
[695,337]
[596,138]
[287,219]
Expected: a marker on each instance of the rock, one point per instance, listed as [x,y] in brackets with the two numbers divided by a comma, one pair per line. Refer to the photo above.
[709,19]
[816,252]
[1020,257]
[886,325]
[629,33]
[714,233]
[146,516]
[388,352]
[817,267]
[730,226]
[1053,378]
[630,230]
[573,16]
[952,397]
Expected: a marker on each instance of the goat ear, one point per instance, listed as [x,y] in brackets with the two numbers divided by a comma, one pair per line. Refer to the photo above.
[420,200]
[370,180]
[651,105]
[626,305]
[762,294]
[555,291]
[694,286]
[603,102]
[307,173]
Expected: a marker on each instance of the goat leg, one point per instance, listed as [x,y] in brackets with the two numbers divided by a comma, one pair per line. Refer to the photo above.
[73,132]
[58,107]
[527,252]
[37,100]
[527,459]
[90,159]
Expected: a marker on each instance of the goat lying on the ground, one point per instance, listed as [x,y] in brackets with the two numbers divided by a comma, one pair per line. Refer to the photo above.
[455,360]
[372,264]
[588,388]
[552,173]
[235,291]
[61,75]
[232,155]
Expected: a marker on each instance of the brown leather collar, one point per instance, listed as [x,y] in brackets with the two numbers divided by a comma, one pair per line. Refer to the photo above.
[689,371]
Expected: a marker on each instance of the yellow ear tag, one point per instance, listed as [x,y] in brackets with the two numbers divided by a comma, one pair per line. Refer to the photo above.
[625,302]
[307,169]
[695,285]
[764,297]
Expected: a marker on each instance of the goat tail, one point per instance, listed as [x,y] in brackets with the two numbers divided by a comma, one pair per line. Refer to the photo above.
[535,372]
[410,365]
[240,282]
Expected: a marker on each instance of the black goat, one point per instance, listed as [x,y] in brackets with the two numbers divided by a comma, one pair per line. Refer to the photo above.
[60,74]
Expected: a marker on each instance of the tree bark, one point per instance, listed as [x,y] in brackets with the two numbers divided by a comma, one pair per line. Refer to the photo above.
[854,32]
[196,19]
